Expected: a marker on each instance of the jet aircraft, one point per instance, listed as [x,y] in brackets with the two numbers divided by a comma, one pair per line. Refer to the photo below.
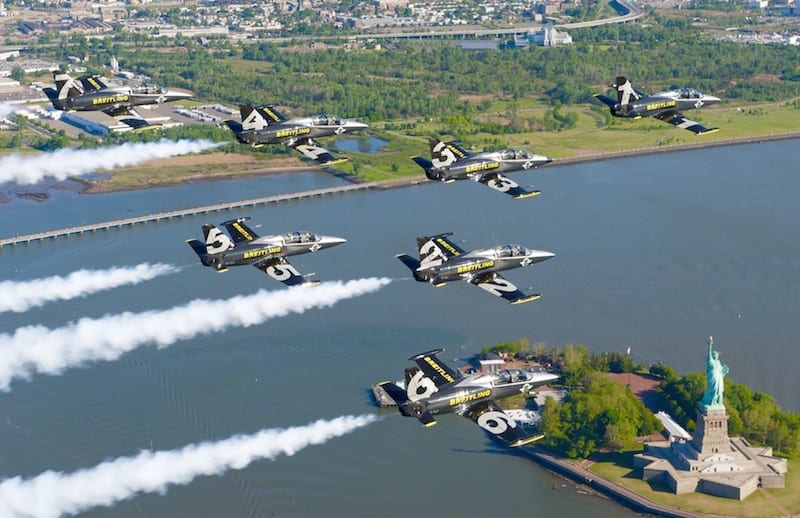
[267,253]
[441,260]
[265,125]
[91,93]
[435,388]
[665,106]
[449,162]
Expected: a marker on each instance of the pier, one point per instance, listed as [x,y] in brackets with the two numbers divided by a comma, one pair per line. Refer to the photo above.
[207,209]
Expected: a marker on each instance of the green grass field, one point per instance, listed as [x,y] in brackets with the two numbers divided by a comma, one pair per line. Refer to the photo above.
[592,136]
[588,138]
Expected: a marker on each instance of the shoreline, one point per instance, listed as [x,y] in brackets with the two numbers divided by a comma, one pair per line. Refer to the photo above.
[420,178]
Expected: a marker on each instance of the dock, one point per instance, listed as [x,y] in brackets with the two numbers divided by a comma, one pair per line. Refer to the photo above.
[207,209]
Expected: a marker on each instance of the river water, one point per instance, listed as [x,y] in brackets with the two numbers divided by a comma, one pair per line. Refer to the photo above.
[654,252]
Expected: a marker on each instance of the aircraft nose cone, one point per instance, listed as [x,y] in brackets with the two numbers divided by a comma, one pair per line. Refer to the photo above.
[540,255]
[355,125]
[328,241]
[710,99]
[175,95]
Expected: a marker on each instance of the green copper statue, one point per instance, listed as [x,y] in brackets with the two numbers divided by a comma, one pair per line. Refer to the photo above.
[715,374]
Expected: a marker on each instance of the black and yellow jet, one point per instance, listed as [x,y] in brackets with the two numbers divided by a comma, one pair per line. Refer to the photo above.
[266,125]
[665,106]
[91,93]
[450,162]
[435,388]
[441,260]
[267,253]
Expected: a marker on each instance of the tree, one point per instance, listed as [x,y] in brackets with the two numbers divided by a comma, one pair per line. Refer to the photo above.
[18,73]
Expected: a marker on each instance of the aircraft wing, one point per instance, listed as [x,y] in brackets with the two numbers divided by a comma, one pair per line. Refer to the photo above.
[677,119]
[129,116]
[239,231]
[498,285]
[433,368]
[280,270]
[92,82]
[490,417]
[440,245]
[270,114]
[500,183]
[315,152]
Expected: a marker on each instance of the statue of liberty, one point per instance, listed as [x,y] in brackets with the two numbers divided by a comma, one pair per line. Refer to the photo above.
[715,374]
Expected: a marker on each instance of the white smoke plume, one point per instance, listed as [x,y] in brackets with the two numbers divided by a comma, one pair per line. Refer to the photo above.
[53,494]
[29,169]
[34,349]
[7,109]
[21,296]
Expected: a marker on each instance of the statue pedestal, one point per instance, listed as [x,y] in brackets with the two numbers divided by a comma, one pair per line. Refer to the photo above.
[711,435]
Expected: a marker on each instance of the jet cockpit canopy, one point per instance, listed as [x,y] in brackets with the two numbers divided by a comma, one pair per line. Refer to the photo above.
[323,119]
[690,93]
[300,237]
[510,251]
[511,376]
[514,154]
[149,88]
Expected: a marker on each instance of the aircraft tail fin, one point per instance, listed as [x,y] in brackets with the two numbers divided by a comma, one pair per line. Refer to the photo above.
[252,119]
[445,154]
[407,407]
[625,90]
[216,240]
[66,86]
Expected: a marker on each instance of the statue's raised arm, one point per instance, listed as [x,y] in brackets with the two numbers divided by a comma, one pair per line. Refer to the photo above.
[715,374]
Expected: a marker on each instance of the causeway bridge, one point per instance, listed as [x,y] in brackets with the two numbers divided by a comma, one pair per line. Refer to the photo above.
[219,207]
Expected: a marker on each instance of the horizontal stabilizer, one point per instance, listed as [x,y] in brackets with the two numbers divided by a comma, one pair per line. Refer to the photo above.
[411,263]
[198,247]
[424,163]
[396,393]
[606,100]
[234,125]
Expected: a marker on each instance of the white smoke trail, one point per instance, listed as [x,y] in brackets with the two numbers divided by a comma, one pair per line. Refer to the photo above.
[50,351]
[21,296]
[55,494]
[7,109]
[29,169]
